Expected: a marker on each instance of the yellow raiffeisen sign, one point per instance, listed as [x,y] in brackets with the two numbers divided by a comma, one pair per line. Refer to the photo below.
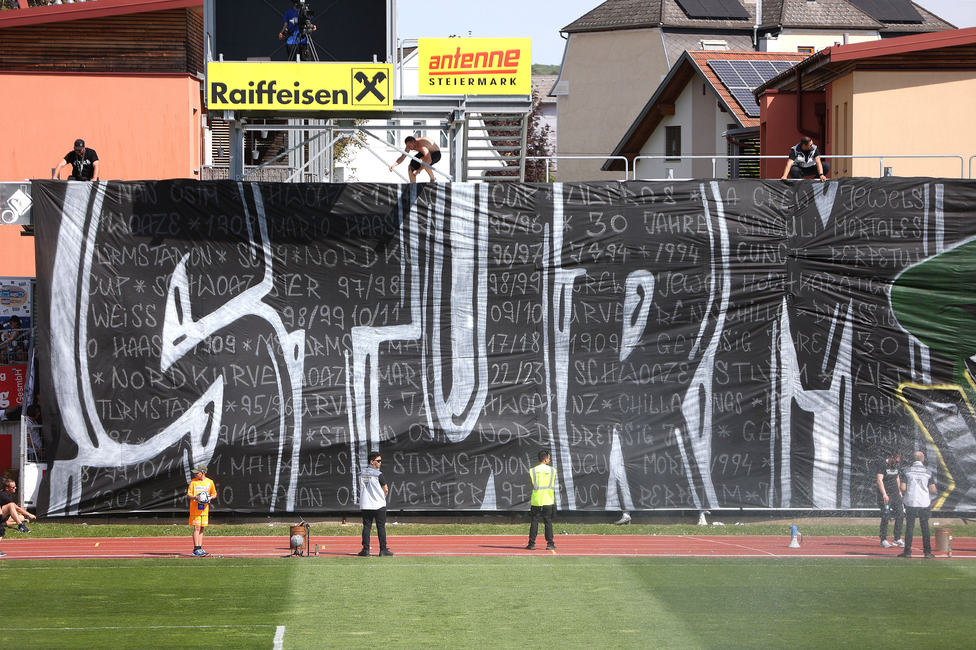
[475,66]
[272,86]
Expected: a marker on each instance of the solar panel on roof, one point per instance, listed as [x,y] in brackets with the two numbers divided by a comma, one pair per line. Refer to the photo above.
[890,11]
[714,9]
[765,67]
[747,100]
[742,77]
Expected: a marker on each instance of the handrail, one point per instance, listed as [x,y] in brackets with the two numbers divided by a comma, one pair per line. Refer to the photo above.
[971,167]
[881,159]
[583,157]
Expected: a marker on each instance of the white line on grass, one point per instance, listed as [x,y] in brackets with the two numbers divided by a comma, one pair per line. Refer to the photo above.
[279,640]
[129,627]
[542,561]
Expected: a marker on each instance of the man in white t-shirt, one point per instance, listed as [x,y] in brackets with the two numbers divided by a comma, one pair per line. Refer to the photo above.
[373,491]
[918,486]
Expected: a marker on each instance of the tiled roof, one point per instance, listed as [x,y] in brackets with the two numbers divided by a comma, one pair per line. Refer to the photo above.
[541,85]
[812,14]
[618,14]
[678,42]
[635,14]
[702,58]
[931,23]
[674,16]
[816,14]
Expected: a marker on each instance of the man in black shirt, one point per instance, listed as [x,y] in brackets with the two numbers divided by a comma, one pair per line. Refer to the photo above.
[83,161]
[805,162]
[889,497]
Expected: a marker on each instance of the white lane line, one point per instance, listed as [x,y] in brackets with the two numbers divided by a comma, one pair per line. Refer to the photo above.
[279,640]
[127,627]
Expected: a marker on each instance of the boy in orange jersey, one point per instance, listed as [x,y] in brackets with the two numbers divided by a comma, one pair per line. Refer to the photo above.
[201,492]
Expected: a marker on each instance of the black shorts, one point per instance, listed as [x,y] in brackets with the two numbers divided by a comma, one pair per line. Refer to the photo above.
[435,157]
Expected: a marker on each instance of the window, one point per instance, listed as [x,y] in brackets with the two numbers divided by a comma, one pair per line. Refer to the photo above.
[391,136]
[419,133]
[805,49]
[714,45]
[672,142]
[444,137]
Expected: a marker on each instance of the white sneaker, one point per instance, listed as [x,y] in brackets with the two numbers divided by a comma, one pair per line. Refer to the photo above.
[900,542]
[886,544]
[623,520]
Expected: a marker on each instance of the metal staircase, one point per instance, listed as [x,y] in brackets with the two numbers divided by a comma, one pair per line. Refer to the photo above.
[494,146]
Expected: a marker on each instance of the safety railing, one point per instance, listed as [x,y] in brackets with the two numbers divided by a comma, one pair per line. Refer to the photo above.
[971,166]
[583,157]
[881,160]
[271,174]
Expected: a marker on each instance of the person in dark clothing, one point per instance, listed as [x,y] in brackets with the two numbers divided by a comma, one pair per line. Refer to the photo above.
[295,20]
[805,162]
[889,497]
[10,512]
[83,161]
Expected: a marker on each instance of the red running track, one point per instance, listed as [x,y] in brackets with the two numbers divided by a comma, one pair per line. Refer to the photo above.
[25,548]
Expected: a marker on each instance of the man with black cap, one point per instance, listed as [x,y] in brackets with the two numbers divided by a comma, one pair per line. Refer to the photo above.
[83,161]
[201,492]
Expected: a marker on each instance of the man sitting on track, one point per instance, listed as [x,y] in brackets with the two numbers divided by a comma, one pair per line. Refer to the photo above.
[10,511]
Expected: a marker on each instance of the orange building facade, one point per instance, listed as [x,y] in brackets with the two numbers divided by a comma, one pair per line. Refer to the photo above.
[124,75]
[900,106]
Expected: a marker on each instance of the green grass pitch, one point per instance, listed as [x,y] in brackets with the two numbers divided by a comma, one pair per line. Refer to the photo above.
[539,602]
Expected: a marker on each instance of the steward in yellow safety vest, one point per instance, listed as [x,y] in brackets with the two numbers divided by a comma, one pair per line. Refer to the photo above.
[543,480]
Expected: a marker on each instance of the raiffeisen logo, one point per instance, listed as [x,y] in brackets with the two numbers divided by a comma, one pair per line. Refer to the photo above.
[475,66]
[264,86]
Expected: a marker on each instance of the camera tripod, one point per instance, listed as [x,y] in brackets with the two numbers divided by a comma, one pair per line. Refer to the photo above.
[304,48]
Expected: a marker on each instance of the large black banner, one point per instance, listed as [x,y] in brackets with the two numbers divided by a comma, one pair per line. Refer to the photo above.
[674,345]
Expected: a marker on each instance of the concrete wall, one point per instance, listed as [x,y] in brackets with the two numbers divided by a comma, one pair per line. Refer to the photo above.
[17,259]
[702,125]
[841,94]
[915,113]
[790,40]
[610,76]
[143,127]
[778,130]
[684,116]
[703,107]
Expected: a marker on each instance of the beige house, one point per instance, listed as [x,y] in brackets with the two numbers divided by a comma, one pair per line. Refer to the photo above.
[618,54]
[911,96]
[694,113]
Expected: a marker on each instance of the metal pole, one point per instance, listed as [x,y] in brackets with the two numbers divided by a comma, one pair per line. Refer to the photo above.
[308,164]
[379,157]
[524,144]
[405,153]
[282,155]
[235,147]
